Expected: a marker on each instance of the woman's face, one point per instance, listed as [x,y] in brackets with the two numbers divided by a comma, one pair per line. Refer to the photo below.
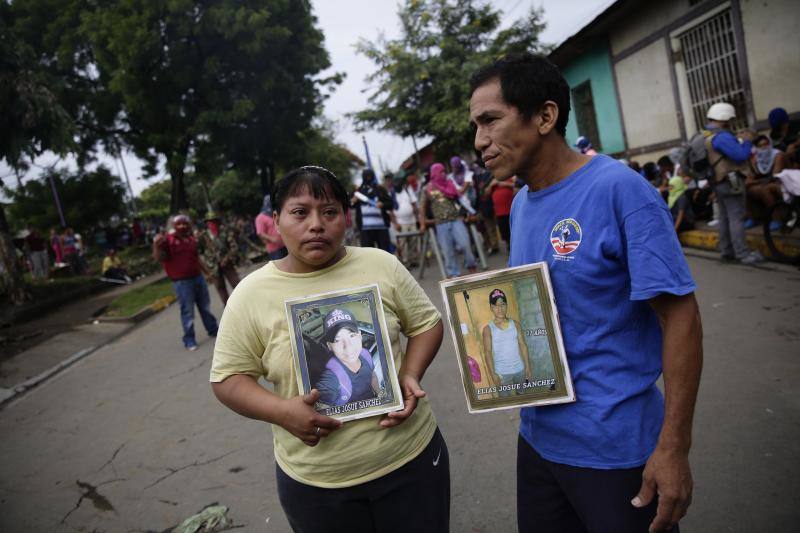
[763,144]
[312,230]
[346,345]
[500,308]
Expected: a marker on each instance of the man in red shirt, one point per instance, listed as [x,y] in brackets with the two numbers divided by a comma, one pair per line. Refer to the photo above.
[502,192]
[177,252]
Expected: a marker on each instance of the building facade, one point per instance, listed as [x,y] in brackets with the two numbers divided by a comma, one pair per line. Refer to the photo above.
[643,73]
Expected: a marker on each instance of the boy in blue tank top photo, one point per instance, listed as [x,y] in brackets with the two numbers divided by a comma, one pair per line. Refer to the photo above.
[617,459]
[505,349]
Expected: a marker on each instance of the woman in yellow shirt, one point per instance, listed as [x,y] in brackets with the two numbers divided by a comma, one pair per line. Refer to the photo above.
[367,474]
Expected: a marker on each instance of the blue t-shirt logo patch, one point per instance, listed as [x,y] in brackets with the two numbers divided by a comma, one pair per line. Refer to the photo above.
[566,237]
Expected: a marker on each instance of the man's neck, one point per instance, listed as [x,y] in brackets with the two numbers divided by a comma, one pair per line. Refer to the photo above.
[553,163]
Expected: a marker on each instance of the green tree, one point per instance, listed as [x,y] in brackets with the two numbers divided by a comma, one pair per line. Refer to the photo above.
[154,200]
[422,77]
[88,199]
[31,122]
[201,79]
[317,147]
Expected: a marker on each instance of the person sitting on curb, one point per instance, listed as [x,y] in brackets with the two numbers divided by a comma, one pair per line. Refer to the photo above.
[113,269]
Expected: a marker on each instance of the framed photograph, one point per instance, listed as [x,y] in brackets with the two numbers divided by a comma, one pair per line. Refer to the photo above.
[341,348]
[508,340]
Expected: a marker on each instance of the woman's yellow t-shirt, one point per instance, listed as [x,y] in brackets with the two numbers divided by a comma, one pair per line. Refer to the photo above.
[253,339]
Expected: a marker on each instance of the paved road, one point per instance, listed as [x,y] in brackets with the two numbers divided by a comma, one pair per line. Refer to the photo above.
[131,438]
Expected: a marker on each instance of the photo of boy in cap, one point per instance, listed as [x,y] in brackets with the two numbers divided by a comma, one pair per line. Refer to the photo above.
[504,346]
[349,373]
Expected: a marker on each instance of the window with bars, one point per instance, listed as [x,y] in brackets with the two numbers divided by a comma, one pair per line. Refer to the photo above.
[712,69]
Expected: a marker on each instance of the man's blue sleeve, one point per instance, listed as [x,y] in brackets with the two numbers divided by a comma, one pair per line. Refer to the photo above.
[725,143]
[656,263]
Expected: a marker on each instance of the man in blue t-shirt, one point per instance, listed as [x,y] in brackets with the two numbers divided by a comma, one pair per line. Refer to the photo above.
[617,458]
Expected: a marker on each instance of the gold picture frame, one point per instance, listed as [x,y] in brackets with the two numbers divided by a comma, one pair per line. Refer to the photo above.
[508,339]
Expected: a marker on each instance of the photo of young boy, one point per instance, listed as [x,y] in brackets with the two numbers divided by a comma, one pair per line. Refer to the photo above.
[341,352]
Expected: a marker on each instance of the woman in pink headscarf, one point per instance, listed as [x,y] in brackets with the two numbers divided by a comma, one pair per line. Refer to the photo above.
[440,200]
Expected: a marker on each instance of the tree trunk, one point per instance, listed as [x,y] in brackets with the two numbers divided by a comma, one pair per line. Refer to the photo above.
[17,291]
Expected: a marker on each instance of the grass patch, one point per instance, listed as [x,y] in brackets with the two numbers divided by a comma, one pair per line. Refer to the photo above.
[136,299]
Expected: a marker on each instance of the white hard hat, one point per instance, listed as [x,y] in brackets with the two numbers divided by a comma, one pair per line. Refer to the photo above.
[721,111]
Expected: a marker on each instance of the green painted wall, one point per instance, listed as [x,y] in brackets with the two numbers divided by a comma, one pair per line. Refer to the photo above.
[595,65]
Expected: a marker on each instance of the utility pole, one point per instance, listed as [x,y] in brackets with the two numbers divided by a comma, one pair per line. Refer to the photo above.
[56,198]
[128,180]
[366,150]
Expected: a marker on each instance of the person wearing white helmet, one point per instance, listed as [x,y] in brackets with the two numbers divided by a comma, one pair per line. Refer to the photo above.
[729,156]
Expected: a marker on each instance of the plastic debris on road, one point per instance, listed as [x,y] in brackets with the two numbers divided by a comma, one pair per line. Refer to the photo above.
[212,518]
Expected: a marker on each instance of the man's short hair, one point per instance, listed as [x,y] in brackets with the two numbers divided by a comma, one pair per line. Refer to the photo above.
[665,162]
[527,82]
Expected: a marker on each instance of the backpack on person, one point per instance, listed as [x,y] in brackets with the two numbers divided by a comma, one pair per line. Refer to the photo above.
[693,156]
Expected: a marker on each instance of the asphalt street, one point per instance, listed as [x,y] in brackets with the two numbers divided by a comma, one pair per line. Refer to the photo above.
[132,439]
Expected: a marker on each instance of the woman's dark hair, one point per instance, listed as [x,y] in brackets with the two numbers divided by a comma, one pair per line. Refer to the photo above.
[527,82]
[320,182]
[495,295]
[650,170]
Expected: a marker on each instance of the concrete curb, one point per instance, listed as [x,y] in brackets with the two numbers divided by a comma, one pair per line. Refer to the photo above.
[9,395]
[709,240]
[146,312]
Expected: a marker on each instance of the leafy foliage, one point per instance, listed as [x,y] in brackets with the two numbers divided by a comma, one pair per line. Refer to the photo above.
[422,77]
[202,85]
[88,199]
[154,200]
[209,79]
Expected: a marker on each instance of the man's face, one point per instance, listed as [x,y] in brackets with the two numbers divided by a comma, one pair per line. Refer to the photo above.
[182,227]
[500,308]
[507,142]
[346,345]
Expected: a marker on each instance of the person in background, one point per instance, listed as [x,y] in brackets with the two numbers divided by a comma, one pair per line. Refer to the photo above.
[680,206]
[177,253]
[373,207]
[463,178]
[729,157]
[392,187]
[219,254]
[763,189]
[485,208]
[584,145]
[784,133]
[442,195]
[55,246]
[70,250]
[502,192]
[267,233]
[113,269]
[83,264]
[405,220]
[137,231]
[36,249]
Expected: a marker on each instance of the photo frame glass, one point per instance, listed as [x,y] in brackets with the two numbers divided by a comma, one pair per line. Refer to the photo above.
[341,347]
[508,340]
